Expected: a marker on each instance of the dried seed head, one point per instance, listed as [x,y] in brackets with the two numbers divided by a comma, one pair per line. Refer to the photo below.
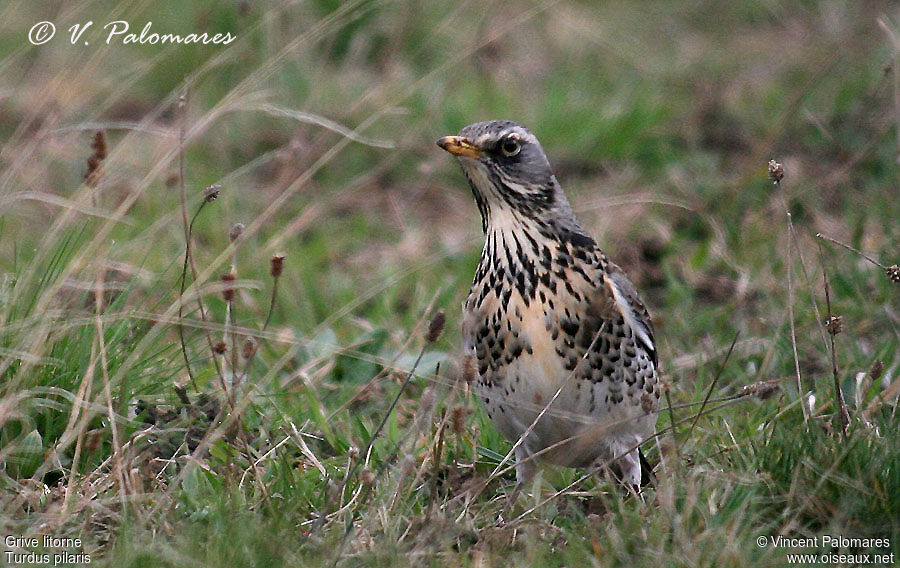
[235,232]
[367,477]
[761,389]
[248,350]
[876,369]
[834,324]
[220,348]
[458,417]
[181,391]
[469,369]
[353,452]
[99,145]
[92,176]
[211,193]
[776,172]
[228,290]
[893,272]
[276,265]
[435,327]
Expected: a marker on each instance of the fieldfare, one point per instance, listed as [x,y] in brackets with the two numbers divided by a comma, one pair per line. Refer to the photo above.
[564,347]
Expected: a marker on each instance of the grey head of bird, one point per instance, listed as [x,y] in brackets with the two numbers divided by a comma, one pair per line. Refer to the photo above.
[511,178]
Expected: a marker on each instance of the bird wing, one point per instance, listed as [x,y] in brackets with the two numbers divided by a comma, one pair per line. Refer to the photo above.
[629,304]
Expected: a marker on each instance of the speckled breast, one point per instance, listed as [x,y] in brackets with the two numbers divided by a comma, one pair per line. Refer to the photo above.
[548,337]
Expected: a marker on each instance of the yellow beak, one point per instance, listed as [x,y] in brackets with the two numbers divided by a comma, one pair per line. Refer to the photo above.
[459,146]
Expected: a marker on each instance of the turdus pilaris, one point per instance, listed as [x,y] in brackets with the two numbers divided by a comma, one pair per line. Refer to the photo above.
[563,344]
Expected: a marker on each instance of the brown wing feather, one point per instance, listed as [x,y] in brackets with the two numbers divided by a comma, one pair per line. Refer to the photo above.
[633,309]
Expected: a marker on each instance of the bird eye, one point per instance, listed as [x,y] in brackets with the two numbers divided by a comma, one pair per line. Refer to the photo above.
[510,147]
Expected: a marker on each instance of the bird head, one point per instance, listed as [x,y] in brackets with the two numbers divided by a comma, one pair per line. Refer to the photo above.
[509,172]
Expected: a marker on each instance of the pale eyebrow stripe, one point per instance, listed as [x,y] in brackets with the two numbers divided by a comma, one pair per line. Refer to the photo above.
[520,134]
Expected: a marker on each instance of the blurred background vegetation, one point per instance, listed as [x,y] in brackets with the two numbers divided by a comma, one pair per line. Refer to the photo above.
[319,124]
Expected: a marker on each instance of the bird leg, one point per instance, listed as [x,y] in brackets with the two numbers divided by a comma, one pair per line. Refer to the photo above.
[624,470]
[525,466]
[629,467]
[525,471]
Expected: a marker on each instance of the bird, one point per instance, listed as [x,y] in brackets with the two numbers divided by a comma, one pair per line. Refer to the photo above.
[564,349]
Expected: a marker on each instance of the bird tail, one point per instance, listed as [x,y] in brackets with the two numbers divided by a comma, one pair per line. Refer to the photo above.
[647,475]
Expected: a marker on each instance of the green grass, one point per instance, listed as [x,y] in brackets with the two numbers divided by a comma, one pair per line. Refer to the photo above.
[659,119]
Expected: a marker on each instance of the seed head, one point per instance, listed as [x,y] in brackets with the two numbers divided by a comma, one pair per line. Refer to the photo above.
[469,369]
[367,477]
[248,350]
[276,265]
[228,291]
[834,324]
[236,230]
[99,145]
[435,327]
[893,272]
[761,389]
[220,347]
[776,172]
[211,193]
[181,391]
[876,369]
[458,417]
[92,176]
